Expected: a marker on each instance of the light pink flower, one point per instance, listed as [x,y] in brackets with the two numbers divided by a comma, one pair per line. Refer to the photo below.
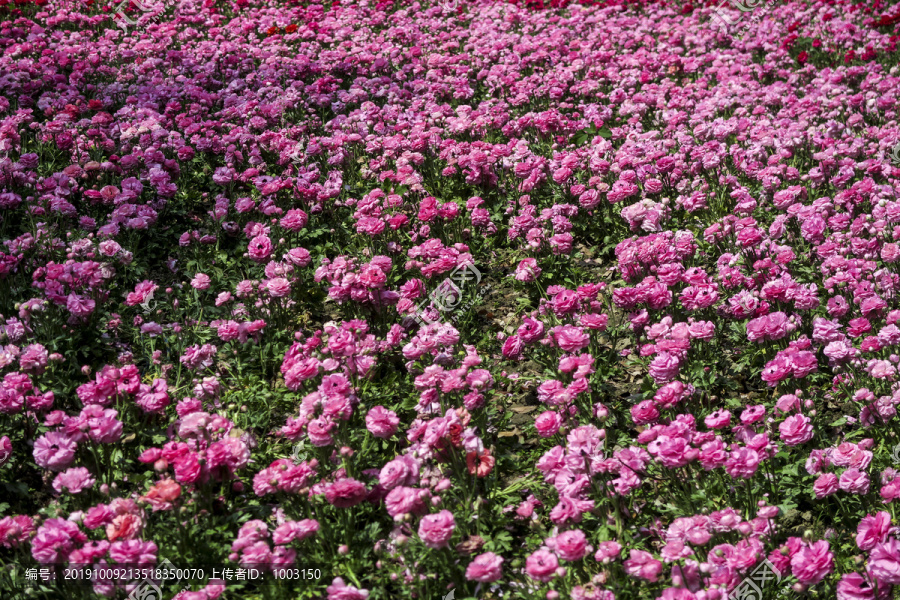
[796,430]
[382,422]
[338,590]
[812,563]
[642,565]
[73,480]
[437,529]
[541,565]
[485,568]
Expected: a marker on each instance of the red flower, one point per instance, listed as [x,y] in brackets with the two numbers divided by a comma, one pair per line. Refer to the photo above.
[272,30]
[480,465]
[802,57]
[290,28]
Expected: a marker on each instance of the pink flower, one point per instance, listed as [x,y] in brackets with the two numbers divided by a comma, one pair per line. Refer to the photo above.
[571,545]
[548,423]
[742,463]
[294,220]
[133,552]
[294,530]
[854,586]
[607,552]
[15,530]
[569,338]
[34,359]
[153,397]
[777,369]
[437,529]
[79,305]
[55,540]
[162,494]
[54,451]
[528,270]
[531,330]
[664,367]
[5,449]
[796,430]
[319,431]
[884,562]
[718,420]
[187,468]
[812,563]
[644,413]
[873,529]
[279,287]
[299,257]
[405,500]
[854,481]
[825,485]
[642,565]
[73,480]
[594,321]
[541,565]
[260,248]
[381,422]
[485,568]
[338,590]
[200,281]
[345,493]
[512,347]
[402,470]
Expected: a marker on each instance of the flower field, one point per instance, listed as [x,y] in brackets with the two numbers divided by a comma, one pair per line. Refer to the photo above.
[449,300]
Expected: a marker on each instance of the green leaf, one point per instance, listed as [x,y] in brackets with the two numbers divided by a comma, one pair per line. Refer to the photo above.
[792,469]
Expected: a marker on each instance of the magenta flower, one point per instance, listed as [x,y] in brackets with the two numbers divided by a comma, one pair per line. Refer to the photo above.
[345,493]
[260,248]
[873,530]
